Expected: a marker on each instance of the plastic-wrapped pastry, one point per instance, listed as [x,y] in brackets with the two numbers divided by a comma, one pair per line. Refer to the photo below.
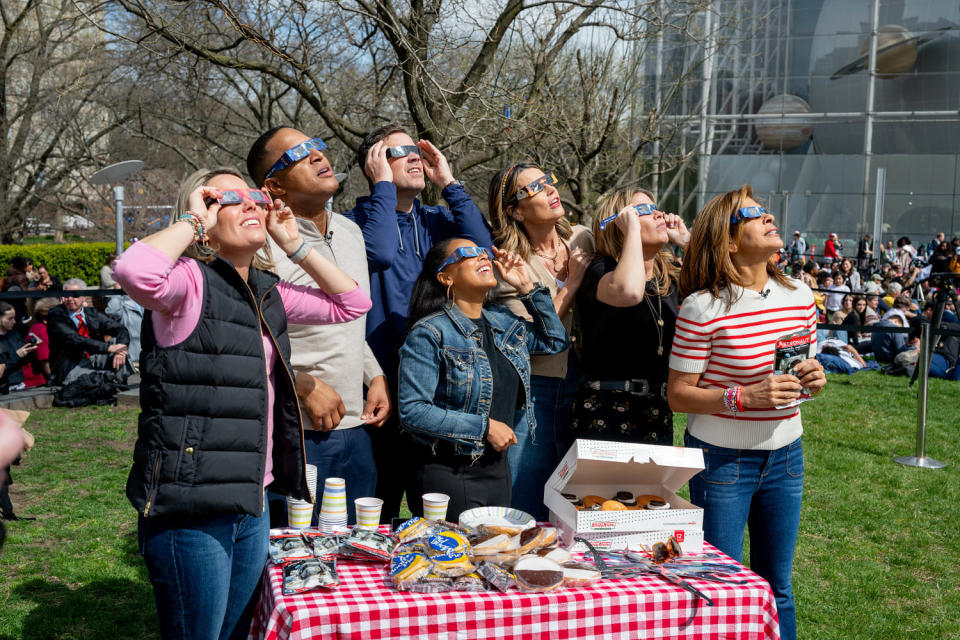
[327,547]
[412,529]
[498,577]
[304,575]
[534,573]
[496,544]
[288,545]
[408,568]
[377,545]
[452,565]
[579,574]
[446,542]
[471,582]
[431,586]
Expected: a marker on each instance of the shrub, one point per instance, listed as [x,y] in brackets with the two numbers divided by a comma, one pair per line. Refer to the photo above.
[79,260]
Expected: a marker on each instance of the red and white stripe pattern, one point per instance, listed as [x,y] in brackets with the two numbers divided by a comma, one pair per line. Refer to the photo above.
[735,346]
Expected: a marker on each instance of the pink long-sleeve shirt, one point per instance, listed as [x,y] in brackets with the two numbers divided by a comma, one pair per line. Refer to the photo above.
[173,291]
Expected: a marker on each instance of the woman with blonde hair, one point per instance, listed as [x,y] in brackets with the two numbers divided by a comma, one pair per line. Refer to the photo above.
[219,420]
[736,307]
[628,308]
[528,219]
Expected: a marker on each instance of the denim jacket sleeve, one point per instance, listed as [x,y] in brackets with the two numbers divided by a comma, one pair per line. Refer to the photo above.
[548,335]
[420,370]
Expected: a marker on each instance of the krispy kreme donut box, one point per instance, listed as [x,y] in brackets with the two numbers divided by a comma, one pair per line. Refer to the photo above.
[594,469]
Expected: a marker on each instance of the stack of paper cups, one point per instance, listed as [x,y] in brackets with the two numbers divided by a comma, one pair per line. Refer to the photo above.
[435,506]
[312,481]
[368,512]
[333,509]
[299,513]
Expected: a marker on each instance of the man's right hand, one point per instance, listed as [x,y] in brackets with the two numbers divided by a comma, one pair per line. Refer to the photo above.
[322,403]
[376,166]
[500,435]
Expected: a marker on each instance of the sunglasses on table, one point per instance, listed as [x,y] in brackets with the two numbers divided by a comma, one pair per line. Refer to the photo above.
[644,209]
[534,187]
[295,154]
[236,196]
[402,151]
[747,212]
[462,253]
[663,551]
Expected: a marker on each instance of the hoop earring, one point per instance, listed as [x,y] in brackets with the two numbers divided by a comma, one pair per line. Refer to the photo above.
[450,296]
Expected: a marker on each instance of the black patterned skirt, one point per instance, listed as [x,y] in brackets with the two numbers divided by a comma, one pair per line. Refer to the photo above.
[623,416]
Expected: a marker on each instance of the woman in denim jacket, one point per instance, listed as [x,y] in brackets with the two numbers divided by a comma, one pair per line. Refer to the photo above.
[465,372]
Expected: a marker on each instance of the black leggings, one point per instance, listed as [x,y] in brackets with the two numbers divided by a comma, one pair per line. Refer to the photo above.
[469,484]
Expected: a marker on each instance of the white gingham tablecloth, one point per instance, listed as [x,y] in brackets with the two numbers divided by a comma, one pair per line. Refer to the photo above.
[643,607]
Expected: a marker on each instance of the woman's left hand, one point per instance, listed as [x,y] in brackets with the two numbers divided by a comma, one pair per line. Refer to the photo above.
[677,231]
[282,227]
[513,271]
[811,375]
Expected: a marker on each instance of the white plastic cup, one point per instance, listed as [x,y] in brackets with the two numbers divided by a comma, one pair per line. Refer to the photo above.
[299,513]
[312,480]
[368,512]
[435,506]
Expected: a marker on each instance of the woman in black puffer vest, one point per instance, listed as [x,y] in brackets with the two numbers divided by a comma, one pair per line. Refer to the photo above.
[220,420]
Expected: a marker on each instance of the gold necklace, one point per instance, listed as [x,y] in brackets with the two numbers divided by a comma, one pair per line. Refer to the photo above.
[556,254]
[658,316]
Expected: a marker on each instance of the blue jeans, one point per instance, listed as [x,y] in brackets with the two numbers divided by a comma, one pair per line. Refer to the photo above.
[533,459]
[761,490]
[205,572]
[341,453]
[939,368]
[835,364]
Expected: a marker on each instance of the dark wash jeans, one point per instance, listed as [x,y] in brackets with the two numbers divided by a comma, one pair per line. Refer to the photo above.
[762,490]
[205,572]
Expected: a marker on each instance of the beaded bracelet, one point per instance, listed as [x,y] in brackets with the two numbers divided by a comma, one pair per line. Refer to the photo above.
[195,222]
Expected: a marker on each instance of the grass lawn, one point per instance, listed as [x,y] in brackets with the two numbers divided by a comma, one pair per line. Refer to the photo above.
[878,555]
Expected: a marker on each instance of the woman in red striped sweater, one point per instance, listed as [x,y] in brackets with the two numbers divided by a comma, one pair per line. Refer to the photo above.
[736,305]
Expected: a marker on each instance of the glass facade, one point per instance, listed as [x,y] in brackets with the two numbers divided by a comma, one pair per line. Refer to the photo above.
[813,151]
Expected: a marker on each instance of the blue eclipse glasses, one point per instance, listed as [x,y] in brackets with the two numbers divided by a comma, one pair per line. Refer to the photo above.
[294,154]
[642,210]
[747,212]
[462,253]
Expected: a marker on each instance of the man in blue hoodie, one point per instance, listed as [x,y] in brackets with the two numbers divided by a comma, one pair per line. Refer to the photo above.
[398,230]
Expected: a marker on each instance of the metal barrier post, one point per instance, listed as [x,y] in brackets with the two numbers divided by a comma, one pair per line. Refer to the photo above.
[921,460]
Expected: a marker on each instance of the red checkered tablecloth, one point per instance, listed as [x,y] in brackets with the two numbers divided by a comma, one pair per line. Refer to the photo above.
[644,607]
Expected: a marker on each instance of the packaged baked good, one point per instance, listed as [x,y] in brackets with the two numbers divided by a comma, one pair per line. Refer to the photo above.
[452,565]
[304,575]
[327,547]
[374,544]
[448,541]
[408,568]
[431,586]
[411,529]
[498,577]
[579,574]
[472,582]
[287,545]
[534,573]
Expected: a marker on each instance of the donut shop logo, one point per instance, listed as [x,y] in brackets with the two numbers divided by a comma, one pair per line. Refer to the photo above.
[602,524]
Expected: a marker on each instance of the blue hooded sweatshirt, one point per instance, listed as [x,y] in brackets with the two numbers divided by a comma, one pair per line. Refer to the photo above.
[397,243]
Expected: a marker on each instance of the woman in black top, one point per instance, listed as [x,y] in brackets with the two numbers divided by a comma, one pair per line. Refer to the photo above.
[628,309]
